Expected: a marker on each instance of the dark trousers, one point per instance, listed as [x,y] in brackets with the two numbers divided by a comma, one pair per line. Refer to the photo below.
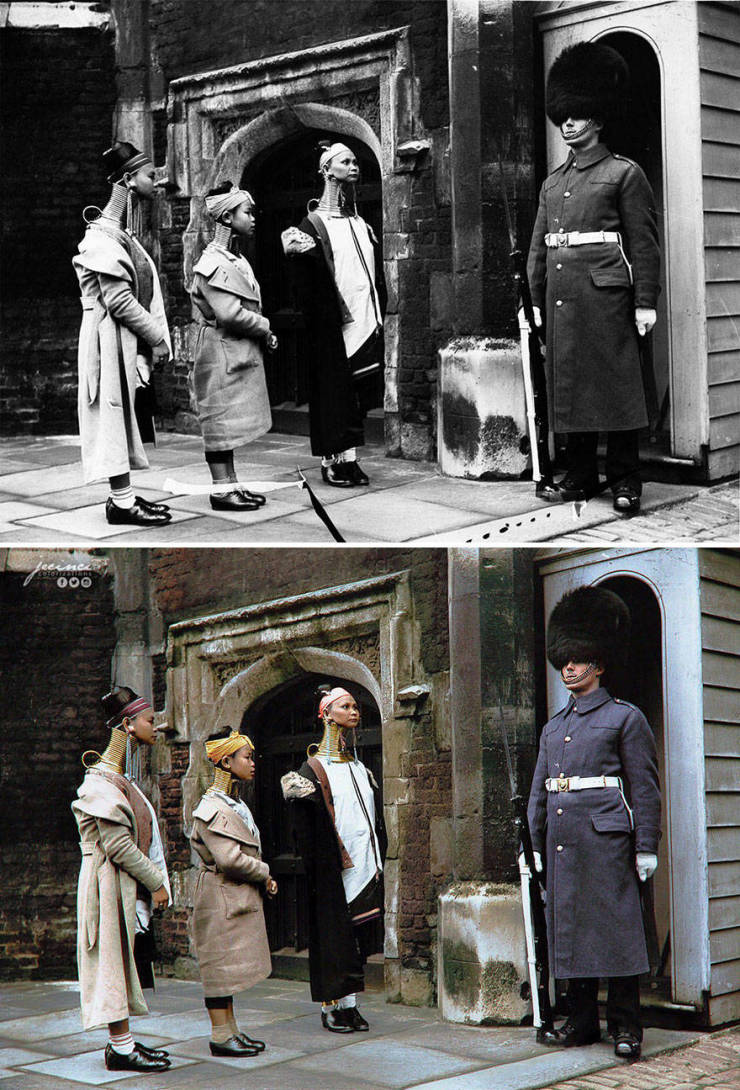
[622,458]
[622,1005]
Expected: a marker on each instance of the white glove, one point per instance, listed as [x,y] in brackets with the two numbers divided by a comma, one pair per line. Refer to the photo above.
[537,861]
[646,864]
[645,319]
[524,324]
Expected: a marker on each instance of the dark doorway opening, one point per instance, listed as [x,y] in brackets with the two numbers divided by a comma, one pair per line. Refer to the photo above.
[641,683]
[638,135]
[282,181]
[282,724]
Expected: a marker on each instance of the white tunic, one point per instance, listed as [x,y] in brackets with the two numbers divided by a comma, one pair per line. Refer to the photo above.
[355,286]
[156,854]
[352,825]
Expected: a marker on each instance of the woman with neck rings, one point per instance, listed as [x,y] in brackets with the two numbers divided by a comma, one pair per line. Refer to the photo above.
[337,272]
[228,922]
[123,879]
[228,377]
[337,818]
[123,337]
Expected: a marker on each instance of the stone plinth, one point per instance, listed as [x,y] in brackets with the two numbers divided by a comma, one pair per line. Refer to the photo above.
[482,961]
[482,422]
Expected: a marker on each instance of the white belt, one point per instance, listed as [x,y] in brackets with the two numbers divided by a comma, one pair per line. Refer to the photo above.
[581,238]
[581,783]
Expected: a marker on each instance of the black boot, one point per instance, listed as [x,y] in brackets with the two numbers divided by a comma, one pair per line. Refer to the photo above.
[335,475]
[627,1046]
[355,1021]
[354,473]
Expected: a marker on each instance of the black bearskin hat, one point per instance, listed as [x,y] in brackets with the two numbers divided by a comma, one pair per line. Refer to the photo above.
[589,624]
[123,158]
[587,80]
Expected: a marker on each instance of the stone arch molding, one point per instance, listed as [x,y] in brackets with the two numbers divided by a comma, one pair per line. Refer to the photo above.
[269,130]
[220,664]
[241,692]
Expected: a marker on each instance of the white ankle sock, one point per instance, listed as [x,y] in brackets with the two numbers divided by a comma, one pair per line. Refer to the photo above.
[347,1002]
[122,1043]
[123,497]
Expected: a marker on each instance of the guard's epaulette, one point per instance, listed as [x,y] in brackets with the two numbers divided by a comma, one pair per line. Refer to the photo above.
[618,700]
[632,163]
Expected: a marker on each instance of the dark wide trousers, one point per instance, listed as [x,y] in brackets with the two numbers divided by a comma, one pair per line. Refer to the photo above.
[622,458]
[622,1005]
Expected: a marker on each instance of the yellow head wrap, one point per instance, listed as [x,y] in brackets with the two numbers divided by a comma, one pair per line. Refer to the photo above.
[219,748]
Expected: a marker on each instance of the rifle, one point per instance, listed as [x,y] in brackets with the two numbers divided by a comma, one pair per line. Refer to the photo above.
[533,908]
[535,388]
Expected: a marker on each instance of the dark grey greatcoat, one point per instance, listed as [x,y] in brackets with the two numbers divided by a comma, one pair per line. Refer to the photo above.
[594,920]
[594,379]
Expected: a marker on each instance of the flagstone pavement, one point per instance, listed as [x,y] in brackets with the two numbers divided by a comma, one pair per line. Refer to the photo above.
[43,500]
[43,1047]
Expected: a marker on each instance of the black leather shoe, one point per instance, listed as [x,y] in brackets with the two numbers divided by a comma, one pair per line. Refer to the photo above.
[251,1042]
[255,497]
[235,500]
[574,489]
[572,1037]
[354,473]
[627,1046]
[152,1053]
[626,501]
[548,491]
[334,1021]
[158,508]
[135,1061]
[233,1047]
[135,516]
[334,474]
[549,1037]
[355,1021]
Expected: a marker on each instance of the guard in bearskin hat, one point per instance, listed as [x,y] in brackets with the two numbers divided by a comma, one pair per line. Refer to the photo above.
[594,811]
[594,265]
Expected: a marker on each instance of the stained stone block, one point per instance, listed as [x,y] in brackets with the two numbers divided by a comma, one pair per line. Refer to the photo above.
[481,413]
[482,959]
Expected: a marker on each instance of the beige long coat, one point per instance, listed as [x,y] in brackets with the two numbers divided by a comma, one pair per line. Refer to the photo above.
[229,373]
[111,442]
[228,923]
[106,902]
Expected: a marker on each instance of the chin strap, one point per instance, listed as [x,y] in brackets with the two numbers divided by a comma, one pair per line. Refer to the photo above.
[582,676]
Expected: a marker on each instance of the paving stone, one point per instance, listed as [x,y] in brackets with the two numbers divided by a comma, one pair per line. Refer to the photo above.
[91,523]
[13,1057]
[388,1063]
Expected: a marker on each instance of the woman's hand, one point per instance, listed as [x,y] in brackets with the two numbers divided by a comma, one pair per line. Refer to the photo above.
[160,353]
[271,342]
[271,887]
[160,898]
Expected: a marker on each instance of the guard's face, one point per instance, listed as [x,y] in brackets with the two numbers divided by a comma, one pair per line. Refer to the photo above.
[240,764]
[243,219]
[142,727]
[142,182]
[344,167]
[344,712]
[581,676]
[579,130]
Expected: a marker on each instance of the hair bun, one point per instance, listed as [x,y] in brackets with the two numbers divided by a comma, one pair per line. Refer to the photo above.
[224,186]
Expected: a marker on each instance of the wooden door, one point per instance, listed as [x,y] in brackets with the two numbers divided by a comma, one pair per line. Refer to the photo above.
[282,726]
[282,183]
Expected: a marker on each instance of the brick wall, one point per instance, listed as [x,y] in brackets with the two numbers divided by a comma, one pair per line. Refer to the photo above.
[57,94]
[55,654]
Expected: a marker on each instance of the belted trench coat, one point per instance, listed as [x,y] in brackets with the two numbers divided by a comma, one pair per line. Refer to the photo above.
[228,922]
[594,379]
[115,329]
[594,919]
[229,373]
[112,865]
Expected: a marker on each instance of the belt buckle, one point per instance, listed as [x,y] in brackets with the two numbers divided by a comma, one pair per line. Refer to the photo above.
[563,784]
[562,238]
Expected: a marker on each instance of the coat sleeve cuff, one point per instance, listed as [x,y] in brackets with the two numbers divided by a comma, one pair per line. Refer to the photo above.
[646,840]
